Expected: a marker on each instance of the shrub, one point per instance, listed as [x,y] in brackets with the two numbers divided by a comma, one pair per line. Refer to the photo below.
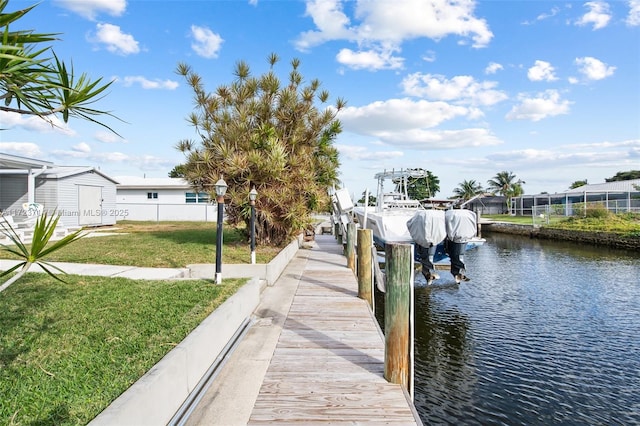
[597,211]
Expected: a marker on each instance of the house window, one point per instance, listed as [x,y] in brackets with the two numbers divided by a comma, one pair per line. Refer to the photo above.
[196,197]
[152,195]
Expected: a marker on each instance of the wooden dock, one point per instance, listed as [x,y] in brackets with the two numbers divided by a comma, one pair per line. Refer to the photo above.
[328,363]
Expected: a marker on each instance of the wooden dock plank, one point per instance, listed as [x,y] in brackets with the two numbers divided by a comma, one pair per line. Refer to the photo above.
[328,365]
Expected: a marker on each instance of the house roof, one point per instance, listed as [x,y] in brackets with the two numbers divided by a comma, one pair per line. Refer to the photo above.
[8,161]
[49,169]
[136,182]
[59,172]
[631,185]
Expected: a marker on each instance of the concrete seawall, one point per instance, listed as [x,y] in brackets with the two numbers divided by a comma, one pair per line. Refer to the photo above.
[608,239]
[156,396]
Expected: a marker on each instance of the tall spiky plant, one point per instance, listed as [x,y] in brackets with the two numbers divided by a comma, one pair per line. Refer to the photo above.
[264,133]
[44,228]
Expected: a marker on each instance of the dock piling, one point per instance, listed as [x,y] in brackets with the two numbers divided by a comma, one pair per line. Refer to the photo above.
[351,246]
[365,271]
[398,314]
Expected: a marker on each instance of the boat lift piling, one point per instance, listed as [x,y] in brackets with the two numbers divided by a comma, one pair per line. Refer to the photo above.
[399,300]
[397,285]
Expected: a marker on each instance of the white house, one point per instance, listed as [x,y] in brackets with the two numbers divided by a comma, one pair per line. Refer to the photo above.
[83,196]
[162,199]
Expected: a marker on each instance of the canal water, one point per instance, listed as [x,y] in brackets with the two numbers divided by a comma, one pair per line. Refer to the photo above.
[545,333]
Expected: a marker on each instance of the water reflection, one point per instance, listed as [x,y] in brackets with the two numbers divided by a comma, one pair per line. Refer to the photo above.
[545,333]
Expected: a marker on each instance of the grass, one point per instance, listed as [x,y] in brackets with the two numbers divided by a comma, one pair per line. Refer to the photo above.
[68,349]
[161,244]
[520,220]
[625,224]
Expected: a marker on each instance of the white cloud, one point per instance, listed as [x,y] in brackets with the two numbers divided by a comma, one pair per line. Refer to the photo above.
[546,104]
[397,115]
[427,139]
[352,152]
[331,22]
[594,69]
[140,162]
[541,71]
[107,137]
[633,18]
[554,11]
[381,28]
[598,15]
[82,147]
[115,40]
[493,68]
[97,157]
[429,56]
[408,124]
[90,8]
[604,154]
[370,59]
[149,84]
[206,43]
[463,89]
[49,124]
[25,149]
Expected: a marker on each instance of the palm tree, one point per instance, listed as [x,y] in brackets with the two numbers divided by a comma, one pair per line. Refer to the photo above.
[419,188]
[502,183]
[505,184]
[44,228]
[32,84]
[468,189]
[258,132]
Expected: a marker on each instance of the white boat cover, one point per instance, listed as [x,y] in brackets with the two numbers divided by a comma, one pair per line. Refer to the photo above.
[461,225]
[427,227]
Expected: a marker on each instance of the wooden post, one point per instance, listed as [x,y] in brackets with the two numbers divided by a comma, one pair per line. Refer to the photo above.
[351,246]
[339,232]
[397,314]
[365,276]
[478,214]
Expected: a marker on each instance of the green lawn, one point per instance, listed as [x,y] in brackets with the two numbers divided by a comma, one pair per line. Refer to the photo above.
[160,244]
[627,224]
[68,350]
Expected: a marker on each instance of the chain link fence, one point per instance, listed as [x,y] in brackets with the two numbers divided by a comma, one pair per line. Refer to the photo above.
[550,213]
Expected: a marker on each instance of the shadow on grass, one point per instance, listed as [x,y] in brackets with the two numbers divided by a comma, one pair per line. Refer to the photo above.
[28,299]
[199,236]
[56,415]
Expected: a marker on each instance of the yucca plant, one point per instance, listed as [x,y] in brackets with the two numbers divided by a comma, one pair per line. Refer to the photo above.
[44,228]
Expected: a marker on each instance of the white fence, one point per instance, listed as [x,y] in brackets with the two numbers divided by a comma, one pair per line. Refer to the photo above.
[200,212]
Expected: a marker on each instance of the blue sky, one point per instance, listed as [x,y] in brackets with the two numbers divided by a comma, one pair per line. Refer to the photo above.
[548,90]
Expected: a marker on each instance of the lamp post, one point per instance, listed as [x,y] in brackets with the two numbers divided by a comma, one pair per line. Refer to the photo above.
[221,189]
[253,194]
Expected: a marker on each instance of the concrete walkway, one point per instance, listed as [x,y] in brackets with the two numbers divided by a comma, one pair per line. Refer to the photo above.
[133,272]
[206,271]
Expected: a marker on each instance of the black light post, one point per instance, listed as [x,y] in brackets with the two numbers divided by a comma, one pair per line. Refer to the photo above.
[253,194]
[221,189]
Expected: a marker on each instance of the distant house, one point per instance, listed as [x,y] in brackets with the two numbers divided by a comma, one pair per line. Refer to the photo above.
[162,199]
[481,204]
[618,196]
[487,204]
[83,196]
